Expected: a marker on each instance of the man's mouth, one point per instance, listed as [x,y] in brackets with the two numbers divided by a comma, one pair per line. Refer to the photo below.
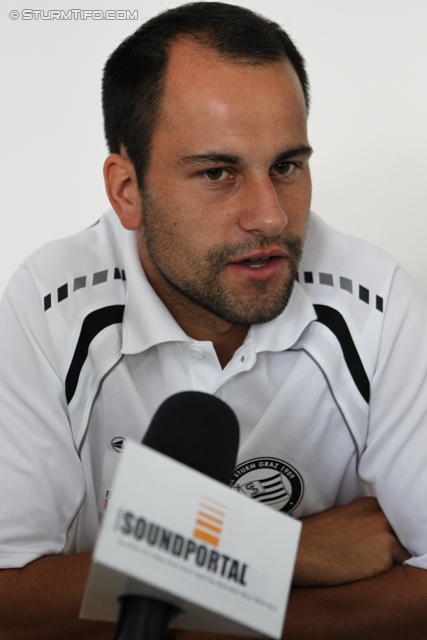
[255,263]
[261,265]
[260,258]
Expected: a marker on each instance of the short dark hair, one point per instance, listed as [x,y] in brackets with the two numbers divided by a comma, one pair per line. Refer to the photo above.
[134,74]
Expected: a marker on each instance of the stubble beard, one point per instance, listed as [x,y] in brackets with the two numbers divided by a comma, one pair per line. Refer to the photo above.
[207,289]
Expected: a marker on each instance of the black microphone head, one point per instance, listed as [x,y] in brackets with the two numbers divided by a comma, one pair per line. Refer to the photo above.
[198,430]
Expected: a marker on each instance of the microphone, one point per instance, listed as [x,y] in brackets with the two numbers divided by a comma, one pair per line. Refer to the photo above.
[202,432]
[199,430]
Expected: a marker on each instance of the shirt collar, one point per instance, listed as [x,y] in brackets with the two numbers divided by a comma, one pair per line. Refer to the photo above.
[147,321]
[282,332]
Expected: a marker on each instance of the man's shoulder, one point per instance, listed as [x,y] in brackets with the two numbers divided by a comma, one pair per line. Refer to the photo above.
[69,285]
[68,273]
[350,284]
[85,249]
[343,269]
[328,246]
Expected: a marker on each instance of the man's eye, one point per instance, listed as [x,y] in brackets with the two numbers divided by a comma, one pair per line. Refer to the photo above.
[217,175]
[283,168]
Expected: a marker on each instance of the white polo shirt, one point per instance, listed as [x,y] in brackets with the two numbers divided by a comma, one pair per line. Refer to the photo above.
[331,396]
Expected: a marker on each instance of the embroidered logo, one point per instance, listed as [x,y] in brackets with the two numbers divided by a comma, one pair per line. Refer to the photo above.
[117,443]
[270,481]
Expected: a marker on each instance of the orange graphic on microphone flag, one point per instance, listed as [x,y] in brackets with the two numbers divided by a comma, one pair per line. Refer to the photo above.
[209,521]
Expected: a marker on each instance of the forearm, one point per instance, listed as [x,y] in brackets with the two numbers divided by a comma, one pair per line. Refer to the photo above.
[392,606]
[42,601]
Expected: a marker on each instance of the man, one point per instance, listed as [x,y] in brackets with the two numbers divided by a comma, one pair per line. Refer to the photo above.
[192,284]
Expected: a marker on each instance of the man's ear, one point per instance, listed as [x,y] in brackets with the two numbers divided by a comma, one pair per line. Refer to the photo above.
[122,190]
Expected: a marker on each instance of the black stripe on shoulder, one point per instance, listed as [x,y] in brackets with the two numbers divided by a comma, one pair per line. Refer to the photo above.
[93,324]
[332,319]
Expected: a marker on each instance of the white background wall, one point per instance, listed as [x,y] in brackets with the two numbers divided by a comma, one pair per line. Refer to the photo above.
[367,60]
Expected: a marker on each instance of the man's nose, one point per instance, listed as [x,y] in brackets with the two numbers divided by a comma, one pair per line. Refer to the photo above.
[261,212]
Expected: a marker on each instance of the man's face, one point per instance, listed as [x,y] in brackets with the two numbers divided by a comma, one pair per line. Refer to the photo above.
[227,191]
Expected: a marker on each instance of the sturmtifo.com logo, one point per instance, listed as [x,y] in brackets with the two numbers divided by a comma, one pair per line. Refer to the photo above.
[269,481]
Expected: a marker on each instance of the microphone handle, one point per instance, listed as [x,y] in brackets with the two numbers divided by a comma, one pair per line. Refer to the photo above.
[143,618]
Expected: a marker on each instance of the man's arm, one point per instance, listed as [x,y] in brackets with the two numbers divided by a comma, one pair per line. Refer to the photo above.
[392,606]
[345,544]
[358,588]
[364,592]
[42,600]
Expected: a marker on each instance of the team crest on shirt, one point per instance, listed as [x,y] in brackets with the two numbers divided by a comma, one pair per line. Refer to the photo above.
[270,481]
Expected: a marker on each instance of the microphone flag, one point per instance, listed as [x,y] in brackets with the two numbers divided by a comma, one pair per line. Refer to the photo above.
[174,534]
